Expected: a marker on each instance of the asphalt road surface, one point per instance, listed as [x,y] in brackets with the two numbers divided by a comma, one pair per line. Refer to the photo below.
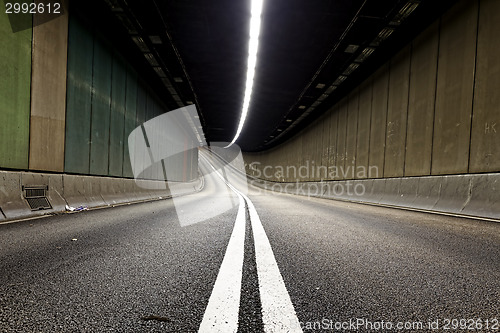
[233,258]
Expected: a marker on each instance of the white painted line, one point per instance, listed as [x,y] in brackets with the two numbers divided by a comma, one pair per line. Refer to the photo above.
[223,306]
[278,313]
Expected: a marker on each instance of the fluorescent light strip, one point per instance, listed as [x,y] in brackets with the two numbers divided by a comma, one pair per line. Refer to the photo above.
[253,46]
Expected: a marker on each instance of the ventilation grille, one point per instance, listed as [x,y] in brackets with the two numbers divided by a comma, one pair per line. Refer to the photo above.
[36,197]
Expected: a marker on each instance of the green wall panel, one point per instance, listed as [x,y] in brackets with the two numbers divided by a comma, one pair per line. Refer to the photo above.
[79,98]
[106,102]
[101,106]
[130,119]
[116,126]
[15,80]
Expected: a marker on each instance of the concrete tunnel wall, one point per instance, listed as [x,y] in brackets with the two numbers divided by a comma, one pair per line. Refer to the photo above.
[68,102]
[432,110]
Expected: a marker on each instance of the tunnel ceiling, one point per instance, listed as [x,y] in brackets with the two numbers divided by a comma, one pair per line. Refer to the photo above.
[312,53]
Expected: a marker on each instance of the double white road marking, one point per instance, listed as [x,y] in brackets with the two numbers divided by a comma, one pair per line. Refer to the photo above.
[278,313]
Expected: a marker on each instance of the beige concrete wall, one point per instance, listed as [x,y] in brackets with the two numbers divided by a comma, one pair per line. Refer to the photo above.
[419,113]
[340,155]
[485,141]
[364,122]
[351,135]
[397,111]
[455,87]
[379,119]
[421,102]
[48,93]
[332,146]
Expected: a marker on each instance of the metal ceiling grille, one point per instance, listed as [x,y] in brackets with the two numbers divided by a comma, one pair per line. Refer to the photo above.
[36,197]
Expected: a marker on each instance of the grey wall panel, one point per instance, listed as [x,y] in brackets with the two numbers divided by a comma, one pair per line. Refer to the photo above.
[307,153]
[300,152]
[117,124]
[151,112]
[364,121]
[485,140]
[341,139]
[140,118]
[397,112]
[457,50]
[130,119]
[308,146]
[318,148]
[101,105]
[332,148]
[352,133]
[421,102]
[325,140]
[379,123]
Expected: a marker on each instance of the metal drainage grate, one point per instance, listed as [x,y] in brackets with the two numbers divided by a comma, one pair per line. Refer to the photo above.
[36,197]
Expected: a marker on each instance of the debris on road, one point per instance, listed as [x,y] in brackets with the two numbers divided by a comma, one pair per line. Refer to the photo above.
[77,209]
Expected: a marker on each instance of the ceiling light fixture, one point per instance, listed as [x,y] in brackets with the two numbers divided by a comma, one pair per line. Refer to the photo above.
[405,12]
[339,80]
[330,89]
[365,54]
[382,35]
[352,67]
[351,48]
[253,46]
[322,97]
[160,72]
[151,59]
[140,43]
